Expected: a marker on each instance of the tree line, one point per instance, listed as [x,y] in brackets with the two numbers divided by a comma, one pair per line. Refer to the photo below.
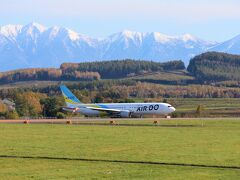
[214,67]
[122,68]
[89,71]
[47,101]
[46,74]
[207,67]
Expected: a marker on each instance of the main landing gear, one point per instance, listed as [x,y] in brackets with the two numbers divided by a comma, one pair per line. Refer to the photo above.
[112,122]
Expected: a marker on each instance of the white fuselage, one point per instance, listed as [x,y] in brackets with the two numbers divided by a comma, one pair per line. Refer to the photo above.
[133,108]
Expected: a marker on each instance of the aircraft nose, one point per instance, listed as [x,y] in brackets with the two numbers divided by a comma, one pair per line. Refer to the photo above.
[172,109]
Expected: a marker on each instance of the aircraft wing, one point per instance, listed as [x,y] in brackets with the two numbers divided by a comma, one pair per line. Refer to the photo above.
[104,109]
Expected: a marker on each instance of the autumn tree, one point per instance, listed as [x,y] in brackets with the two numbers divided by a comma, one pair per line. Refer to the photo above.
[28,104]
[51,106]
[12,114]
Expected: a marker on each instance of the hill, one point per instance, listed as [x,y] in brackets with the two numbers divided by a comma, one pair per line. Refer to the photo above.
[214,66]
[221,68]
[34,90]
[45,74]
[122,68]
[179,77]
[90,71]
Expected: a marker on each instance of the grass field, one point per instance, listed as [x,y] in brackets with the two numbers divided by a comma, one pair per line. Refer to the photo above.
[212,107]
[44,151]
[208,103]
[165,77]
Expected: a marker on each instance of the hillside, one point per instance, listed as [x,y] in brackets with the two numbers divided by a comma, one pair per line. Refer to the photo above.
[221,68]
[46,74]
[214,66]
[180,77]
[90,71]
[122,68]
[35,90]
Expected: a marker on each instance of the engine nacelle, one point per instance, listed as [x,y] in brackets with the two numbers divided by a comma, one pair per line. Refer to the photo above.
[125,114]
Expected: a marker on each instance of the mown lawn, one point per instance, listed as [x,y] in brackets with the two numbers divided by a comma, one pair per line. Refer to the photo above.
[217,143]
[183,104]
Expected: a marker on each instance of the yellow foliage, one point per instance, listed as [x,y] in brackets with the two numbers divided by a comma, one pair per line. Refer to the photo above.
[3,108]
[32,100]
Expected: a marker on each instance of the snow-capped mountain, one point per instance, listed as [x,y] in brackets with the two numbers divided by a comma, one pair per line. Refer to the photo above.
[153,46]
[34,45]
[231,46]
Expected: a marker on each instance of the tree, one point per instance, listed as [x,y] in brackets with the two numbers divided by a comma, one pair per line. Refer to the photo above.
[12,115]
[3,108]
[127,101]
[28,104]
[119,68]
[61,115]
[199,110]
[165,101]
[51,106]
[215,66]
[98,98]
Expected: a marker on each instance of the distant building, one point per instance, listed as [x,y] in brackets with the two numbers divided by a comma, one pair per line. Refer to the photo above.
[8,103]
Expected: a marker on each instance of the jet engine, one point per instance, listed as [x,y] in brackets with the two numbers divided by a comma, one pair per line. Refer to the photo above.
[125,114]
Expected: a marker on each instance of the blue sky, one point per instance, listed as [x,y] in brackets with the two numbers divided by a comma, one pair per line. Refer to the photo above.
[216,20]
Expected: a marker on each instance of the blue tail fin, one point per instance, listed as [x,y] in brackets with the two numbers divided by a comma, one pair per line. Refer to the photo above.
[70,99]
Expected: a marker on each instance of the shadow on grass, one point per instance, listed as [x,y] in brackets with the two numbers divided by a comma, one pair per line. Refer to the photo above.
[147,125]
[120,161]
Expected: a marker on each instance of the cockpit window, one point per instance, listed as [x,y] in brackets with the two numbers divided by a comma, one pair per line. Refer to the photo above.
[169,106]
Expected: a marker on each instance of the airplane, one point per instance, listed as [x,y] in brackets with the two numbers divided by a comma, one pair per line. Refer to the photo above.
[121,110]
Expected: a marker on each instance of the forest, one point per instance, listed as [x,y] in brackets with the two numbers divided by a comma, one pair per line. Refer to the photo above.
[89,71]
[214,67]
[35,93]
[122,68]
[46,74]
[47,101]
[205,68]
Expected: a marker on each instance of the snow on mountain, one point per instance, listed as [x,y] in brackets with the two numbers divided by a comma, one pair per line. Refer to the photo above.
[162,38]
[231,46]
[10,31]
[152,46]
[34,45]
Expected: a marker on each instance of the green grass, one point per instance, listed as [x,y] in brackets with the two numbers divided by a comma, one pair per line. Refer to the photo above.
[165,77]
[212,107]
[44,169]
[29,84]
[217,143]
[208,103]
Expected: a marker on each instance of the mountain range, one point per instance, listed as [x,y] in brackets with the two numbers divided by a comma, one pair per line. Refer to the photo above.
[34,45]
